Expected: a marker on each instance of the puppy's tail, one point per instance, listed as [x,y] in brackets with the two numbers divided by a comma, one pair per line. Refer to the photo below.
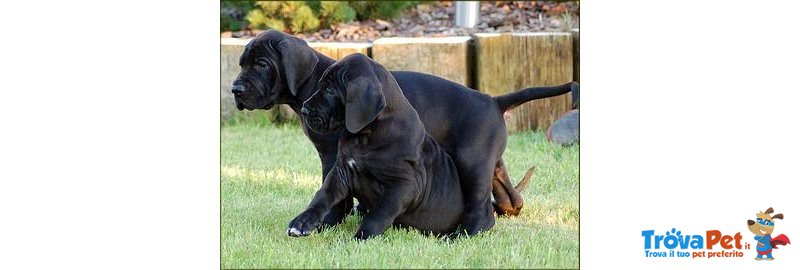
[509,101]
[525,180]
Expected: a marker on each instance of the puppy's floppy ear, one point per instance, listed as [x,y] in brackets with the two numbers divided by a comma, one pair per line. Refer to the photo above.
[298,60]
[364,101]
[777,216]
[769,211]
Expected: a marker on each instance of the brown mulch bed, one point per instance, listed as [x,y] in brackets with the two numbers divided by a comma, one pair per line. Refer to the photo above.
[436,19]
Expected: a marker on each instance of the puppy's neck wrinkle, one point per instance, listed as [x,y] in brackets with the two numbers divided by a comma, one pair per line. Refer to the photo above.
[310,85]
[362,137]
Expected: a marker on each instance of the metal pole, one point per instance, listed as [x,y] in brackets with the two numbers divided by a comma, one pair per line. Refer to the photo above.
[468,13]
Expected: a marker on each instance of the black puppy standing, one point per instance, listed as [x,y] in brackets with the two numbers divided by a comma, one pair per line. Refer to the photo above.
[281,69]
[385,158]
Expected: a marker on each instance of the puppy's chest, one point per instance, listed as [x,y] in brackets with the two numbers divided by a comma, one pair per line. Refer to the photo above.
[361,162]
[361,151]
[369,161]
[364,184]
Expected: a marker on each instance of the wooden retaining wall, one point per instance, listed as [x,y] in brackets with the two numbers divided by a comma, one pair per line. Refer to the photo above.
[509,62]
[230,50]
[492,63]
[446,57]
[338,50]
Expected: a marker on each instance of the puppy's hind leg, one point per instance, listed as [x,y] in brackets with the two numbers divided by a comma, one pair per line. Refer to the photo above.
[476,183]
[391,205]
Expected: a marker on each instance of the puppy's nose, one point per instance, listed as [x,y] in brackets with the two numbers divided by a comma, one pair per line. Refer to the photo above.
[304,111]
[750,222]
[237,89]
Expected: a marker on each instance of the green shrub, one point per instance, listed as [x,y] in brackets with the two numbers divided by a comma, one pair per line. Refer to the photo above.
[304,20]
[306,16]
[228,23]
[259,20]
[296,16]
[232,15]
[380,10]
[333,12]
[271,7]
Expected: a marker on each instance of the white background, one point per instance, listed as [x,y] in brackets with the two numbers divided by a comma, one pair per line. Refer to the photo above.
[110,138]
[690,121]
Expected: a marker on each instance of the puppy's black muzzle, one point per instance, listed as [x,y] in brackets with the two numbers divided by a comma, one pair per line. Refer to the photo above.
[313,120]
[250,99]
[237,90]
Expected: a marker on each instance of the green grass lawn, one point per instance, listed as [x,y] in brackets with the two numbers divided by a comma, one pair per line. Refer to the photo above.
[270,173]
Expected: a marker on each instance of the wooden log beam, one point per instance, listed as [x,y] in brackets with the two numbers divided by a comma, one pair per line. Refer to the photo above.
[230,50]
[338,50]
[508,62]
[446,57]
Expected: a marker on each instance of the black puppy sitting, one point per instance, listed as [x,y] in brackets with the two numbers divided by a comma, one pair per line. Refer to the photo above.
[386,159]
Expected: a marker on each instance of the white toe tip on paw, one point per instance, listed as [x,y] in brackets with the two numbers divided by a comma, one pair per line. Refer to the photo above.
[294,232]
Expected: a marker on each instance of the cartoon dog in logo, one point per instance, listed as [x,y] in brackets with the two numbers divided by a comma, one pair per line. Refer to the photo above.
[763,227]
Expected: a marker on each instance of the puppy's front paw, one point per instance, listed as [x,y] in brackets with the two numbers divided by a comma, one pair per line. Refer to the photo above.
[303,225]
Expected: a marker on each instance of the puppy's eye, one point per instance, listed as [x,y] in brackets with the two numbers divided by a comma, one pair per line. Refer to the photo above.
[262,62]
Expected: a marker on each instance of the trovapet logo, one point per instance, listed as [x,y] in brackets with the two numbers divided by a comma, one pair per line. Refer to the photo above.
[675,244]
[714,243]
